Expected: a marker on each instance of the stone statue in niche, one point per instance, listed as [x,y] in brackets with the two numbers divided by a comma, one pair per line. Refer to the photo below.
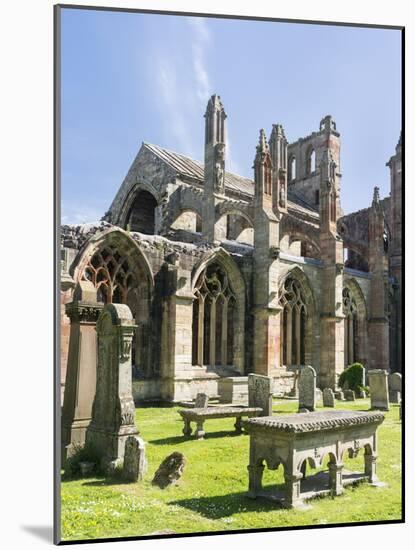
[220,168]
[282,194]
[219,177]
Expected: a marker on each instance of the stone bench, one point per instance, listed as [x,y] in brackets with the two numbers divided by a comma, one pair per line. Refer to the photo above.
[200,415]
[292,440]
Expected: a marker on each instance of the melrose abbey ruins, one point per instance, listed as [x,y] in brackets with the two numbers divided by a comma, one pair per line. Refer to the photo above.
[227,276]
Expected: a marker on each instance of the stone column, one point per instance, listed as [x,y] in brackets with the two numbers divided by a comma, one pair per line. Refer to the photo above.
[176,362]
[267,310]
[82,364]
[379,287]
[113,410]
[332,317]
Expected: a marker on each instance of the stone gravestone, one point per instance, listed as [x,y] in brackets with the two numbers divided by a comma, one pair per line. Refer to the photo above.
[259,393]
[201,401]
[328,397]
[378,384]
[135,463]
[339,395]
[349,395]
[170,470]
[395,387]
[81,373]
[113,411]
[319,395]
[307,388]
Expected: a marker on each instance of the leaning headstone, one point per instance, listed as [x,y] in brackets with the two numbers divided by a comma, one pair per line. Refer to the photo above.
[201,401]
[135,463]
[170,470]
[307,388]
[81,373]
[113,411]
[349,395]
[378,385]
[395,387]
[328,397]
[260,393]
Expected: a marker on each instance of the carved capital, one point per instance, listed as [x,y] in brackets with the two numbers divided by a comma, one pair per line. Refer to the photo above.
[83,312]
[125,342]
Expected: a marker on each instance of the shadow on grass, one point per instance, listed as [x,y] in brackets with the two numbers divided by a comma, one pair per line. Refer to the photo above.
[184,439]
[221,506]
[107,481]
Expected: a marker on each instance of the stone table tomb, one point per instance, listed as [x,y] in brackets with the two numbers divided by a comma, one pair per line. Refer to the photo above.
[292,440]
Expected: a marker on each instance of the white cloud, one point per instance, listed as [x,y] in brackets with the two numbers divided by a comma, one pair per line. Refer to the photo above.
[201,39]
[74,212]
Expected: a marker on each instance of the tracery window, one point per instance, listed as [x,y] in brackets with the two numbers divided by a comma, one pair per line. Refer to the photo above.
[293,323]
[311,161]
[350,327]
[291,169]
[112,276]
[214,313]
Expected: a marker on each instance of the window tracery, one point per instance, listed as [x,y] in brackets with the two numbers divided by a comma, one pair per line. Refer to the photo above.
[213,318]
[293,320]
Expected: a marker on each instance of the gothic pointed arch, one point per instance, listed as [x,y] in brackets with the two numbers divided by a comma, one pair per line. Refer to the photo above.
[138,209]
[355,323]
[218,313]
[296,299]
[121,273]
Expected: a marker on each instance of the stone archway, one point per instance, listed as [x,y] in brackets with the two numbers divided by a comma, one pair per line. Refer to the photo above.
[218,328]
[355,329]
[121,273]
[297,319]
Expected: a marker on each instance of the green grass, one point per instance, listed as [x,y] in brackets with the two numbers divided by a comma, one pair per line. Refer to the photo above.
[211,494]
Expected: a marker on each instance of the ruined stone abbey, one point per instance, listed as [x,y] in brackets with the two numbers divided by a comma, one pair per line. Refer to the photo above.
[226,275]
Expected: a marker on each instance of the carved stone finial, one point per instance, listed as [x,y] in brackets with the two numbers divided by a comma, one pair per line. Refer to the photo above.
[376,197]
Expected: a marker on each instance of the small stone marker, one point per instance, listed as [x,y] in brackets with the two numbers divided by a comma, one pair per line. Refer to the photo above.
[395,387]
[349,395]
[170,470]
[319,395]
[307,388]
[328,397]
[260,393]
[378,384]
[339,395]
[135,463]
[201,401]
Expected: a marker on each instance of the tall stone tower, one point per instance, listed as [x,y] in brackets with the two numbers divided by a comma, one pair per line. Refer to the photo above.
[395,256]
[278,149]
[215,148]
[332,317]
[266,261]
[379,288]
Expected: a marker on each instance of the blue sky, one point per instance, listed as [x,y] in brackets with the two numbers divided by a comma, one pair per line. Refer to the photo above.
[128,78]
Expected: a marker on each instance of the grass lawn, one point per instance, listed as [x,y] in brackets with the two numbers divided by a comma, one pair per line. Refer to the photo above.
[210,496]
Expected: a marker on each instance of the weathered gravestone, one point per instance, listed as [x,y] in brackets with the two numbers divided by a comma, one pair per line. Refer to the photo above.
[395,387]
[307,388]
[135,463]
[201,401]
[378,384]
[319,395]
[349,395]
[170,470]
[339,395]
[81,373]
[113,411]
[328,397]
[260,393]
